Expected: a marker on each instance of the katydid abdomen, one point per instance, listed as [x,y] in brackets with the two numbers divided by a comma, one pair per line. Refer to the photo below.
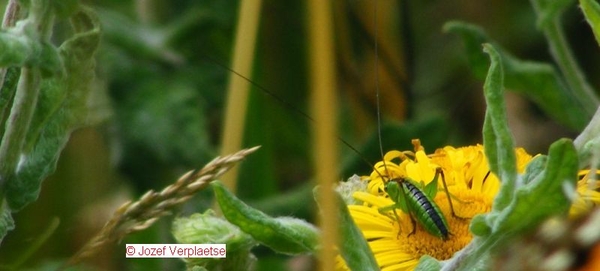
[425,210]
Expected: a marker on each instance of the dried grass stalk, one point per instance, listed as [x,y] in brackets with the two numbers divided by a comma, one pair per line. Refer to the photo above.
[136,216]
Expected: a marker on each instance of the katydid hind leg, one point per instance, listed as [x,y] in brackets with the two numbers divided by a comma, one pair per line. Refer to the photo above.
[448,195]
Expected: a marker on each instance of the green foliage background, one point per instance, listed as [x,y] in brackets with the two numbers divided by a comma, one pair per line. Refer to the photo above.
[156,104]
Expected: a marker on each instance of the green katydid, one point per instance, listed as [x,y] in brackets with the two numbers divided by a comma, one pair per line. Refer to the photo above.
[419,204]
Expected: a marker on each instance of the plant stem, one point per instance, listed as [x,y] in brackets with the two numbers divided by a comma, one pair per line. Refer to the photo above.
[562,54]
[9,20]
[591,131]
[17,124]
[324,109]
[25,100]
[588,142]
[10,14]
[237,92]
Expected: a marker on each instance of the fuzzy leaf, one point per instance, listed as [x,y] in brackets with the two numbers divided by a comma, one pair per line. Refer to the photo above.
[208,228]
[353,245]
[479,226]
[537,199]
[591,10]
[587,151]
[285,234]
[427,263]
[61,108]
[543,196]
[540,82]
[20,47]
[6,221]
[534,168]
[497,139]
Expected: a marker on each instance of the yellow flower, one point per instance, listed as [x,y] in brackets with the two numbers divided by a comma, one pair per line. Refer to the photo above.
[587,191]
[397,242]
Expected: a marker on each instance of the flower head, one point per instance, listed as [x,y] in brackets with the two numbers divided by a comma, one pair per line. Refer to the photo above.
[465,187]
[587,193]
[396,239]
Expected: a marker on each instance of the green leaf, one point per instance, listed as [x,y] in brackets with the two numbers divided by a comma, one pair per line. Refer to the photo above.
[62,107]
[428,263]
[353,245]
[431,188]
[288,202]
[544,196]
[591,10]
[540,82]
[534,168]
[497,139]
[6,221]
[588,142]
[534,201]
[284,235]
[588,151]
[21,47]
[208,228]
[479,226]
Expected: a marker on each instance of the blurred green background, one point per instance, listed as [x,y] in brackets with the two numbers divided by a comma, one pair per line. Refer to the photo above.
[159,98]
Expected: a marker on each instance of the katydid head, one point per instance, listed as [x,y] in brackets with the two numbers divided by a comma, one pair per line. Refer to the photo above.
[395,191]
[393,188]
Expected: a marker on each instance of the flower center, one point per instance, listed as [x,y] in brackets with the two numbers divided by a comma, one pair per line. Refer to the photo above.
[418,242]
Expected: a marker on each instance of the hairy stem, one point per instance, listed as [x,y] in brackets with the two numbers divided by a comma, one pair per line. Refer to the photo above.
[17,123]
[562,54]
[9,20]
